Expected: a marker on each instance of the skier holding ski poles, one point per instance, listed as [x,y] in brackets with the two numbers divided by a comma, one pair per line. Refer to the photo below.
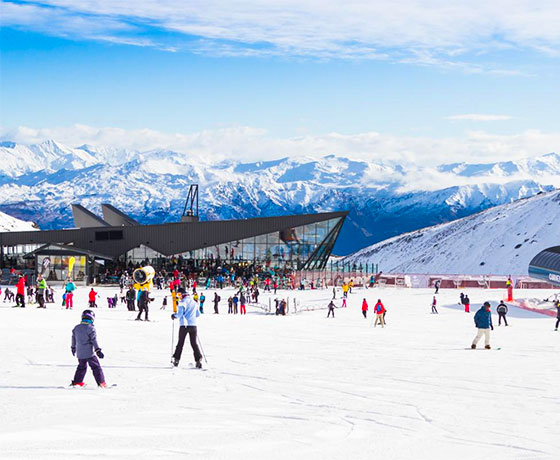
[187,314]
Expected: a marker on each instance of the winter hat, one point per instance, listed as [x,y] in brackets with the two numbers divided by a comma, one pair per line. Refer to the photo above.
[88,315]
[487,304]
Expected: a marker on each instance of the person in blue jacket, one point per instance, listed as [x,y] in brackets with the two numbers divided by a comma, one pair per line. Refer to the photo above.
[483,322]
[187,313]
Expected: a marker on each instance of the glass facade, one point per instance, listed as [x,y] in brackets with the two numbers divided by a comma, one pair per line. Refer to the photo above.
[307,246]
[58,267]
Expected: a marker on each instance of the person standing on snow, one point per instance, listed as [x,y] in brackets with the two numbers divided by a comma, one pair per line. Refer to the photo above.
[557,305]
[92,295]
[379,311]
[434,303]
[502,310]
[202,300]
[70,288]
[216,302]
[436,285]
[143,302]
[85,347]
[131,298]
[331,309]
[467,304]
[364,308]
[483,322]
[20,292]
[187,314]
[41,287]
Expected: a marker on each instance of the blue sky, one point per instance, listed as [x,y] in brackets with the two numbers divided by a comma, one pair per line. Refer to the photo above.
[413,73]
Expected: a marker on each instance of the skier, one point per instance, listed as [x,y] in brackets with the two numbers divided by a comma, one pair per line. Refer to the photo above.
[163,303]
[275,286]
[230,305]
[379,311]
[483,322]
[41,287]
[235,302]
[85,347]
[434,303]
[502,310]
[202,300]
[92,295]
[216,302]
[242,300]
[364,307]
[187,314]
[8,295]
[467,304]
[331,309]
[344,302]
[130,298]
[557,314]
[334,292]
[436,285]
[70,288]
[143,302]
[20,292]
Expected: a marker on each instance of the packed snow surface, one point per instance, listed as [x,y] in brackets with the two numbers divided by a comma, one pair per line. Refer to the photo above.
[300,387]
[501,240]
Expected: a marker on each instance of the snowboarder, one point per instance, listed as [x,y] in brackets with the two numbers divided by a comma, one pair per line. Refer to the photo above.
[502,310]
[85,347]
[379,311]
[436,285]
[364,308]
[557,305]
[91,297]
[434,303]
[483,322]
[216,302]
[187,314]
[331,309]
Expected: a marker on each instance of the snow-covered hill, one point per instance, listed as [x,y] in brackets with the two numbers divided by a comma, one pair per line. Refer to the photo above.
[501,240]
[11,224]
[39,182]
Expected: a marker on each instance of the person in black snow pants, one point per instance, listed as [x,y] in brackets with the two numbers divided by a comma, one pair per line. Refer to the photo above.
[143,302]
[85,347]
[217,299]
[131,299]
[557,314]
[436,285]
[187,313]
[502,310]
[331,309]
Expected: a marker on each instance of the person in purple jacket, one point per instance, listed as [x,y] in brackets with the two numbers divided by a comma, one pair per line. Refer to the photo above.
[85,347]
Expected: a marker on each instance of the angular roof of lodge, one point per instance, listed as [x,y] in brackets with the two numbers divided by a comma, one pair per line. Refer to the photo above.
[167,239]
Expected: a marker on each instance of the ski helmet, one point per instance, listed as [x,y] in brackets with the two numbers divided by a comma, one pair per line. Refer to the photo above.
[88,314]
[487,304]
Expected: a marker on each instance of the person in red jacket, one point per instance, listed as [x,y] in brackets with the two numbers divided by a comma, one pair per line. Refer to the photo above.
[92,295]
[379,311]
[364,308]
[20,292]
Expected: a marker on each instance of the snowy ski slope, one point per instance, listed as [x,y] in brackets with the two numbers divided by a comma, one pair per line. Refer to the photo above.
[298,387]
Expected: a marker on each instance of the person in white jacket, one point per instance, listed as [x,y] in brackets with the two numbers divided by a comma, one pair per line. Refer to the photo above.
[187,313]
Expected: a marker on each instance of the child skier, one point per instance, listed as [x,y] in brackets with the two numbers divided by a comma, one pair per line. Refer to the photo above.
[331,309]
[434,303]
[85,347]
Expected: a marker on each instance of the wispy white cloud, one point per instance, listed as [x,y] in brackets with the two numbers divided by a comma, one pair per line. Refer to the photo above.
[254,144]
[428,32]
[478,117]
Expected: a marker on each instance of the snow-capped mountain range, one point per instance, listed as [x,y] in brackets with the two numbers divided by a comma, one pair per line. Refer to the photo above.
[39,182]
[501,240]
[11,224]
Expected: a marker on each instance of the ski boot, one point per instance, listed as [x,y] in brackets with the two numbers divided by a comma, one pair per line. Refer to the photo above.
[198,365]
[102,385]
[175,362]
[77,384]
[487,347]
[473,346]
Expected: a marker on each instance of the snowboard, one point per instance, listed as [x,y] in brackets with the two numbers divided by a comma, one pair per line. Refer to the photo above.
[484,349]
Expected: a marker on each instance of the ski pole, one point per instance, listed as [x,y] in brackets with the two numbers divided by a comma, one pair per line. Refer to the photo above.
[172,335]
[201,349]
